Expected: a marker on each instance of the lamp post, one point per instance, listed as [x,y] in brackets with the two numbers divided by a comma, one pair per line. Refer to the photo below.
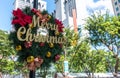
[32,72]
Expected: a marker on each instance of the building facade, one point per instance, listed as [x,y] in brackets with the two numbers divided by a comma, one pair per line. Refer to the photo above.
[116,7]
[64,11]
[72,13]
[29,3]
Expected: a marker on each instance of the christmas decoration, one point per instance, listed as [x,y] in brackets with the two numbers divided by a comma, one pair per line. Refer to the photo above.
[48,54]
[30,25]
[31,66]
[57,57]
[56,33]
[60,45]
[28,44]
[21,18]
[30,59]
[38,61]
[51,45]
[37,33]
[18,47]
[42,44]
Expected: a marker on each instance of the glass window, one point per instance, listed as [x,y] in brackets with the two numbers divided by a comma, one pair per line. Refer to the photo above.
[115,3]
[42,5]
[117,9]
[119,1]
[56,1]
[118,14]
[28,1]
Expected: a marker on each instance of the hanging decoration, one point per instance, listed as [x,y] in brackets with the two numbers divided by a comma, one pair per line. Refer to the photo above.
[37,37]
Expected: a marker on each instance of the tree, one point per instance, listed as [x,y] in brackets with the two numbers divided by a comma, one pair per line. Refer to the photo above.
[6,52]
[104,30]
[81,57]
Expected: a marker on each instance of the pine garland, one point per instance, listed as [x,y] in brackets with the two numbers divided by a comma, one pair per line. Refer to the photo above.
[28,51]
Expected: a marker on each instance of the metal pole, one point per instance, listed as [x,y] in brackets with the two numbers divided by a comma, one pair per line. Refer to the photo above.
[35,5]
[32,73]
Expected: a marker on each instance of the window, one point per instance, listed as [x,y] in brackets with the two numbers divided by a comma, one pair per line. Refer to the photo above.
[39,4]
[119,1]
[28,1]
[118,14]
[42,5]
[117,9]
[115,3]
[56,1]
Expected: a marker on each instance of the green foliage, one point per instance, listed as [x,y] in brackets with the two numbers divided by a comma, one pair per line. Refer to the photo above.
[82,58]
[6,66]
[59,65]
[104,30]
[6,51]
[5,48]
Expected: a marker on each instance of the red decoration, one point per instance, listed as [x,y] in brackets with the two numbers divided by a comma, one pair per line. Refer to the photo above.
[28,44]
[60,25]
[42,44]
[38,61]
[57,57]
[17,13]
[31,66]
[60,45]
[43,18]
[21,18]
[34,10]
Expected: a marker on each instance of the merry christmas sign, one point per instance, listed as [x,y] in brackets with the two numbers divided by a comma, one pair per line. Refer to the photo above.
[37,37]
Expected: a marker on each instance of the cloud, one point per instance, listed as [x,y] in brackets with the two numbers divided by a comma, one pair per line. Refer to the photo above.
[101,5]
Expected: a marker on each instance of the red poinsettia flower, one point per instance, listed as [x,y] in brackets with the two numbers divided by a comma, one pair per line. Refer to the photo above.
[21,18]
[60,25]
[28,19]
[17,13]
[19,21]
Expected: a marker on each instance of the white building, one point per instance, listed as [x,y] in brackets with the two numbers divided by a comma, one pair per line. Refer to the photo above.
[29,3]
[64,11]
[116,7]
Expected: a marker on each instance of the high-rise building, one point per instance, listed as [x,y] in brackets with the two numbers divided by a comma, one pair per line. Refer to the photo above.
[29,3]
[71,12]
[116,7]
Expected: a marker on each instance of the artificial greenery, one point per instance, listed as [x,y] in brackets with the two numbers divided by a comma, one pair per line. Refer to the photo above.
[37,49]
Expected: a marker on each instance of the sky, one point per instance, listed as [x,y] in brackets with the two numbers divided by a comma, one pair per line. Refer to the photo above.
[6,7]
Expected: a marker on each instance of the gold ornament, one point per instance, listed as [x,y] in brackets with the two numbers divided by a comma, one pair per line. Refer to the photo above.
[31,25]
[57,33]
[48,54]
[30,59]
[18,47]
[51,45]
[49,17]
